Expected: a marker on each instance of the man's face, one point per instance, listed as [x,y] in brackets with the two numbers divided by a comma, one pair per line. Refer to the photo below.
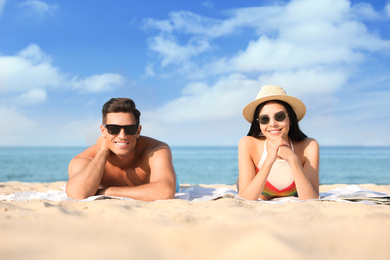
[121,143]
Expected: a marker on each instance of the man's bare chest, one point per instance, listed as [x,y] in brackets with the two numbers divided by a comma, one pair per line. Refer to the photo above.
[126,176]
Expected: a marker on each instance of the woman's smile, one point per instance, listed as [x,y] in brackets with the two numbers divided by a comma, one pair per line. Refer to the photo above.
[275,131]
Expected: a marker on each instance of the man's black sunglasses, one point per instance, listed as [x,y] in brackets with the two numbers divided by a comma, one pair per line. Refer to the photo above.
[115,129]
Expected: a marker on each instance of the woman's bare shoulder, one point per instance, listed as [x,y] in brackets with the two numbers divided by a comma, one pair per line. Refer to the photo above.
[306,142]
[250,140]
[311,142]
[307,145]
[251,144]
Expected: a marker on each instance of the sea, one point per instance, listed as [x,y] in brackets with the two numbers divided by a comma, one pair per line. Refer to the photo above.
[200,165]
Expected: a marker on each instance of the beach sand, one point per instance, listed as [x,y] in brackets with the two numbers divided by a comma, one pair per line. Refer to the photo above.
[177,229]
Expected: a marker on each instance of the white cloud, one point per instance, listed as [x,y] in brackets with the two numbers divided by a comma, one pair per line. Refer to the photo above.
[316,80]
[269,55]
[299,35]
[353,120]
[34,54]
[97,83]
[171,52]
[310,34]
[311,48]
[2,3]
[190,23]
[387,9]
[208,4]
[202,102]
[39,8]
[168,47]
[77,133]
[31,69]
[149,71]
[365,11]
[33,96]
[17,128]
[25,80]
[186,22]
[210,113]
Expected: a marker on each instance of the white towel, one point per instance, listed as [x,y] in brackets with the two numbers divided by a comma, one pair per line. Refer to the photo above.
[49,195]
[190,193]
[351,193]
[197,193]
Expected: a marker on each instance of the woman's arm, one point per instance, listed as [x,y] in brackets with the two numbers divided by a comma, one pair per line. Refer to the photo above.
[251,184]
[306,175]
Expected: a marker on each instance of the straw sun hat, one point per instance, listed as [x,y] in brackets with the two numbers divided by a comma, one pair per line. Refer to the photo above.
[268,93]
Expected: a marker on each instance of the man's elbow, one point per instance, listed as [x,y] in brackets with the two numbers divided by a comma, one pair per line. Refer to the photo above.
[74,194]
[168,195]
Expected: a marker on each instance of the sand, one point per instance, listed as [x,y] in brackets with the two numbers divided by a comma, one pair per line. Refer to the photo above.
[176,229]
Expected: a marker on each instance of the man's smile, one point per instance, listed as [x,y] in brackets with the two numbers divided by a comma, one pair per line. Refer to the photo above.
[121,143]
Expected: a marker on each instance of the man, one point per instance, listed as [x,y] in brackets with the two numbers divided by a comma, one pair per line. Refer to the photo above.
[123,163]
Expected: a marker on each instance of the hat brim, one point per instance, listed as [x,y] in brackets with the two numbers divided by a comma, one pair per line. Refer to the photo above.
[296,104]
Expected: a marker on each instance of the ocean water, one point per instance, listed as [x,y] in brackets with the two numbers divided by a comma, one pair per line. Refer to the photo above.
[196,165]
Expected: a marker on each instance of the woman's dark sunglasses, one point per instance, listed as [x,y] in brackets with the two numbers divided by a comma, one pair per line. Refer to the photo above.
[115,129]
[279,116]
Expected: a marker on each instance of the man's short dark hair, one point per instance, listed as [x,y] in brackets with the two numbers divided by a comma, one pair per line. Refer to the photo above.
[117,105]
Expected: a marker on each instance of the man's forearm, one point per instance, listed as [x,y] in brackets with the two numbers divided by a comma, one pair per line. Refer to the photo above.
[146,192]
[86,182]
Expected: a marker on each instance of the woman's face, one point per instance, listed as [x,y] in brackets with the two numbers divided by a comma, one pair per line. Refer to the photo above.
[275,127]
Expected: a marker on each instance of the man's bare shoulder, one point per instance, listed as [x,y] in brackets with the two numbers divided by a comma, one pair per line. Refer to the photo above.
[81,160]
[88,153]
[148,146]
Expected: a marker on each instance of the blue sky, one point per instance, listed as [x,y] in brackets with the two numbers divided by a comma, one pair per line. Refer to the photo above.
[191,67]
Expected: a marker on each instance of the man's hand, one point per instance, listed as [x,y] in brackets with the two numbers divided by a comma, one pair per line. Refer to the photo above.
[101,143]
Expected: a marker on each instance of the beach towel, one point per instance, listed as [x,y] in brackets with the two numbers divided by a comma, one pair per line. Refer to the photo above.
[351,193]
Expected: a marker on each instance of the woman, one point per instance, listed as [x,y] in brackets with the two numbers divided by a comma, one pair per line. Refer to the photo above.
[276,159]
